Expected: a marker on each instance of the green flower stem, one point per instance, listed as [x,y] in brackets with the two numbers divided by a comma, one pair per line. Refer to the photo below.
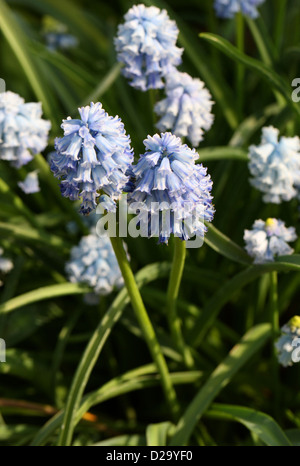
[146,326]
[212,26]
[274,304]
[172,295]
[274,318]
[240,41]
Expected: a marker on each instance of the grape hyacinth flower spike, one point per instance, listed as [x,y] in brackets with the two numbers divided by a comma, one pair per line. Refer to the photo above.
[186,110]
[31,183]
[93,157]
[22,130]
[171,194]
[269,239]
[6,265]
[146,45]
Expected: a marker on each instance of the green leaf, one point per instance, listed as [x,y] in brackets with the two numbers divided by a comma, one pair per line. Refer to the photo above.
[24,365]
[60,347]
[222,153]
[12,433]
[224,293]
[131,381]
[267,73]
[157,434]
[287,263]
[252,124]
[19,326]
[260,40]
[66,205]
[27,233]
[222,375]
[41,294]
[73,72]
[257,422]
[225,246]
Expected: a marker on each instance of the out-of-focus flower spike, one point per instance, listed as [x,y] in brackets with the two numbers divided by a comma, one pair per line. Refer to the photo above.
[269,239]
[23,132]
[288,341]
[146,45]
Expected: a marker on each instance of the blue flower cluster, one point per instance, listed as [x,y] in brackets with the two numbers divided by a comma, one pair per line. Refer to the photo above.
[56,35]
[92,158]
[94,263]
[228,8]
[186,110]
[288,341]
[60,41]
[269,239]
[22,130]
[146,45]
[275,166]
[31,183]
[6,265]
[170,192]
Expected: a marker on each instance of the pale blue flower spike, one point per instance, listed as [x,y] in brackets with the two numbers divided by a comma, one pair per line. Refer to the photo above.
[229,8]
[269,239]
[186,110]
[22,130]
[94,263]
[288,342]
[146,45]
[94,155]
[275,166]
[31,183]
[166,178]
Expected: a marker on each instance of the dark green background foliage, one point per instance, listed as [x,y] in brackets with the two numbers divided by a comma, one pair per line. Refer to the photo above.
[222,296]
